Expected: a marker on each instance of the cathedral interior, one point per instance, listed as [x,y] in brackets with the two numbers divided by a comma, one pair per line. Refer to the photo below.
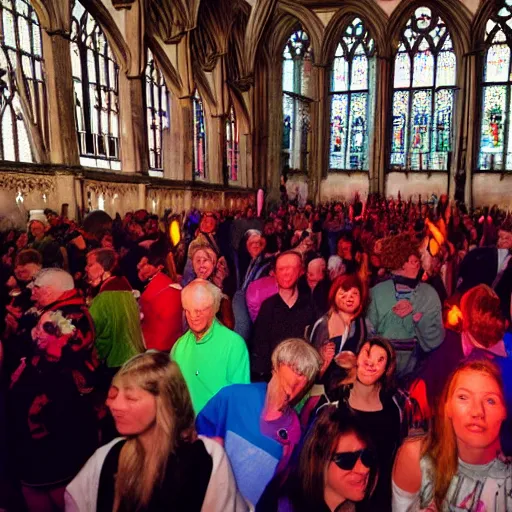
[127,104]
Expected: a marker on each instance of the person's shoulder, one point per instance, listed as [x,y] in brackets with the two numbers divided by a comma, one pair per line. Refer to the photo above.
[428,290]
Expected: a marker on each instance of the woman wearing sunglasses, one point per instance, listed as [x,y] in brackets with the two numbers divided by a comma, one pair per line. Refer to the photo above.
[460,465]
[336,468]
[387,413]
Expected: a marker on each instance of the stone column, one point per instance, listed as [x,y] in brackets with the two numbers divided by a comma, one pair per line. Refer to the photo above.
[378,146]
[60,93]
[132,125]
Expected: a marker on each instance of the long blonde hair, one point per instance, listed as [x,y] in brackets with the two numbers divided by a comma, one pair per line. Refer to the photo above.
[441,443]
[140,471]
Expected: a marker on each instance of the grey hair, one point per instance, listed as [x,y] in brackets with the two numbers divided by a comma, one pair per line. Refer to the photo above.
[214,291]
[56,278]
[299,355]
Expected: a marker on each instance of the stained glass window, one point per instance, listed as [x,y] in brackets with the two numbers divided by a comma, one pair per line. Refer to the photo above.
[95,77]
[232,148]
[157,111]
[495,130]
[22,87]
[297,70]
[423,95]
[199,138]
[352,83]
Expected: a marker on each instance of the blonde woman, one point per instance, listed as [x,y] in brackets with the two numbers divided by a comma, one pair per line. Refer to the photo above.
[160,464]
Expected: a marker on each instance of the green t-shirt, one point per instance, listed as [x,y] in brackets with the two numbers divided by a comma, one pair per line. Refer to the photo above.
[117,323]
[218,359]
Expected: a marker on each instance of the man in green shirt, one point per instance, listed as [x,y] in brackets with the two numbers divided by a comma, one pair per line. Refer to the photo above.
[210,355]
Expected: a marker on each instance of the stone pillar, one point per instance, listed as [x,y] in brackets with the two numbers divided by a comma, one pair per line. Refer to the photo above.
[60,93]
[378,146]
[66,193]
[132,121]
[215,149]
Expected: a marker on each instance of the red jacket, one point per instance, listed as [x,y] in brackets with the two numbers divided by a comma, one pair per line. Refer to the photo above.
[160,304]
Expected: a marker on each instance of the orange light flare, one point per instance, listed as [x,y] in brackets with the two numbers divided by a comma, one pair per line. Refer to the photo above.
[454,318]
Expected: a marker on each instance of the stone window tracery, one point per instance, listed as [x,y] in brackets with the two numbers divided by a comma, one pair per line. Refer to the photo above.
[199,138]
[352,87]
[96,83]
[425,71]
[297,72]
[232,146]
[22,86]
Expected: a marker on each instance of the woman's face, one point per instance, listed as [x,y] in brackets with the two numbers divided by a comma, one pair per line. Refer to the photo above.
[348,301]
[477,410]
[341,484]
[203,264]
[371,364]
[133,409]
[50,344]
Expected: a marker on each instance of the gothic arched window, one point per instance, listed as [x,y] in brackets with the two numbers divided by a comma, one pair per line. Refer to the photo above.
[22,87]
[157,108]
[496,134]
[232,148]
[423,95]
[352,82]
[199,138]
[95,76]
[297,68]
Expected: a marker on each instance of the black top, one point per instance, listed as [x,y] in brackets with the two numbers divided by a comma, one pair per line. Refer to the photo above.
[276,322]
[183,488]
[383,428]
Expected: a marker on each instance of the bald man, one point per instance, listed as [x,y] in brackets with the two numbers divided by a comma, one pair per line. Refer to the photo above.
[210,355]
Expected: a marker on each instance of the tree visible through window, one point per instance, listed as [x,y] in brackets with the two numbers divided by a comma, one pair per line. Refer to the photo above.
[424,95]
[95,76]
[199,138]
[22,89]
[232,140]
[351,99]
[157,108]
[496,133]
[297,68]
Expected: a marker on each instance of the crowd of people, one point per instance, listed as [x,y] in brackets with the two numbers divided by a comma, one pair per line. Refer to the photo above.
[350,356]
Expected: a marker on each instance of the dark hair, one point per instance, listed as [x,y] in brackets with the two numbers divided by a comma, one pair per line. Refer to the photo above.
[287,253]
[157,254]
[387,381]
[107,258]
[305,487]
[27,256]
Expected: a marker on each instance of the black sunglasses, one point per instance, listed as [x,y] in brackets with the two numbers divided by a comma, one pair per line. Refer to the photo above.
[347,460]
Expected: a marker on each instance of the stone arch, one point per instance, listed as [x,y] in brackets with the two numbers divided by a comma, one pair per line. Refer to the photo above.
[117,42]
[456,16]
[171,76]
[485,11]
[309,21]
[372,15]
[50,16]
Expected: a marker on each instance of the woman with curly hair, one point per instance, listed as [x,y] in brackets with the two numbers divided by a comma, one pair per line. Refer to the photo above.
[402,308]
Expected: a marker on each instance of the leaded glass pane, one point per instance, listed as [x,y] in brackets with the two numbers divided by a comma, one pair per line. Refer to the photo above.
[157,108]
[350,111]
[400,125]
[496,135]
[494,120]
[423,103]
[497,63]
[199,139]
[339,118]
[96,91]
[232,146]
[21,45]
[402,70]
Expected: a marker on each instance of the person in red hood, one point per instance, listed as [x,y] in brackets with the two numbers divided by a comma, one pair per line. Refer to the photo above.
[160,302]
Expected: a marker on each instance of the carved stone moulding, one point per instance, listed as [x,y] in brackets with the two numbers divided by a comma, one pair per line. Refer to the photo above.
[27,183]
[109,189]
[123,4]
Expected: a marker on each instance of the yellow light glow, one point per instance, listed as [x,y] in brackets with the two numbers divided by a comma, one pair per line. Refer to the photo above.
[175,233]
[454,316]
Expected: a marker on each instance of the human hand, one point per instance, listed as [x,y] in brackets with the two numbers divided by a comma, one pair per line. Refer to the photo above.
[327,353]
[402,308]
